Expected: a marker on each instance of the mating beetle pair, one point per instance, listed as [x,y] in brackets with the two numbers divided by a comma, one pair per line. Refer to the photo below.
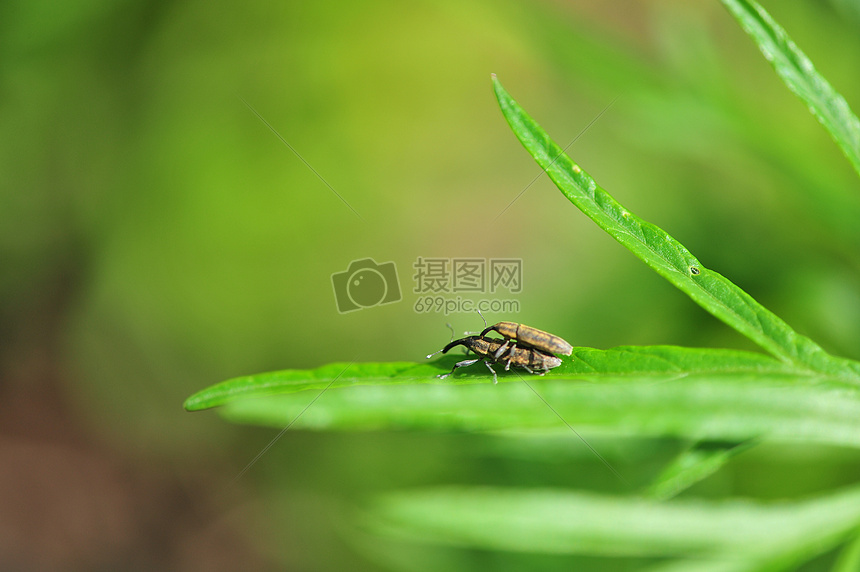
[533,354]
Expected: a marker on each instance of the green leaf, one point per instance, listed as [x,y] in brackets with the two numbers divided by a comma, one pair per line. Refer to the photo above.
[798,73]
[667,256]
[567,522]
[641,391]
[698,406]
[698,462]
[849,558]
[583,362]
[332,375]
[732,405]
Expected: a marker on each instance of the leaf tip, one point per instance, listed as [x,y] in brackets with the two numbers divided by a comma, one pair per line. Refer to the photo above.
[192,404]
[497,87]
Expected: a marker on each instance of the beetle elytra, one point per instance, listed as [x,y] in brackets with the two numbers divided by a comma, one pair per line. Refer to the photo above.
[531,337]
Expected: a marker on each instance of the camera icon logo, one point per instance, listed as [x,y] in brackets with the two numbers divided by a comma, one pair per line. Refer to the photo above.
[365,284]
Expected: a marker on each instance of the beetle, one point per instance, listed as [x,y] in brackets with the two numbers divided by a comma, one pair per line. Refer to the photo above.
[530,337]
[492,350]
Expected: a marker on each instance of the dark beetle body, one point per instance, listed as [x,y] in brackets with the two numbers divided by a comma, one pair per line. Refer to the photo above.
[523,335]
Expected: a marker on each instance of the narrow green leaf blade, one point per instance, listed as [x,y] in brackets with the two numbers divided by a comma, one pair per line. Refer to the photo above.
[583,362]
[698,462]
[731,407]
[667,256]
[695,394]
[798,73]
[849,558]
[331,375]
[572,522]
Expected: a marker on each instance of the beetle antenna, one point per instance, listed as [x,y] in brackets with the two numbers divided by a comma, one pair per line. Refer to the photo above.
[482,317]
[452,339]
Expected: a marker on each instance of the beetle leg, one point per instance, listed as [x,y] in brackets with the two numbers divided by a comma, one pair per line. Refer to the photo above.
[525,367]
[502,349]
[511,348]
[510,357]
[489,367]
[464,363]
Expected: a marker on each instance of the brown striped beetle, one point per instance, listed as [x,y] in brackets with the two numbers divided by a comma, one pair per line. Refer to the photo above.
[527,356]
[530,337]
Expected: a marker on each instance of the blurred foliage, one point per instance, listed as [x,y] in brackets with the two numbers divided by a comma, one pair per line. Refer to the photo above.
[182,243]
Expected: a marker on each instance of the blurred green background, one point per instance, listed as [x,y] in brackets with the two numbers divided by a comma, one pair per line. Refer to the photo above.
[156,237]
